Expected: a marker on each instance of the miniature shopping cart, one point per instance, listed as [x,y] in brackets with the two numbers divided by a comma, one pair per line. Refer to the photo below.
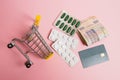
[34,42]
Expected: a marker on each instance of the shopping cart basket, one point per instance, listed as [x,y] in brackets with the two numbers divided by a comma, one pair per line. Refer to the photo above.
[35,43]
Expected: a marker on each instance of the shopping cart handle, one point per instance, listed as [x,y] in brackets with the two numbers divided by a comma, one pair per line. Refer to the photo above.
[37,20]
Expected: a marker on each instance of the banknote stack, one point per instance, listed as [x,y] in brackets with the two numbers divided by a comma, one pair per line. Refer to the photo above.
[91,31]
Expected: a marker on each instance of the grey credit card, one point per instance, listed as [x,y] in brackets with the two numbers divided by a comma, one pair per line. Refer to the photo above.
[93,56]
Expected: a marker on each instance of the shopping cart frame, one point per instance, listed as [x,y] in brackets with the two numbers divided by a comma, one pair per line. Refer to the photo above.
[27,39]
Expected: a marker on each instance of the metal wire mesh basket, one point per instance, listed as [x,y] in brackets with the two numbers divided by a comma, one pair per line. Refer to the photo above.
[35,43]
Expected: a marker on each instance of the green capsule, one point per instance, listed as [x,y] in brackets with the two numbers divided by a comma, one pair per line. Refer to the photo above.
[68,30]
[77,24]
[58,22]
[66,18]
[61,25]
[63,15]
[70,20]
[65,27]
[72,32]
[74,22]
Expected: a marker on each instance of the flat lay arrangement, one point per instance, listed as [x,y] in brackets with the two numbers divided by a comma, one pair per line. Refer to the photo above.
[59,40]
[64,43]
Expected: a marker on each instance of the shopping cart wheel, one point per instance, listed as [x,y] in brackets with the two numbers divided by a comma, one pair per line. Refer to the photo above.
[28,64]
[10,45]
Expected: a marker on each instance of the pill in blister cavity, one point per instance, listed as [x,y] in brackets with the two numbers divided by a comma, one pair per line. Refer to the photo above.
[63,15]
[67,59]
[59,35]
[58,22]
[74,22]
[52,37]
[64,37]
[72,32]
[59,42]
[70,39]
[71,62]
[75,41]
[65,27]
[61,25]
[73,46]
[59,50]
[56,46]
[66,18]
[63,46]
[68,44]
[53,32]
[70,20]
[68,30]
[63,54]
[72,55]
[66,51]
[76,60]
[77,24]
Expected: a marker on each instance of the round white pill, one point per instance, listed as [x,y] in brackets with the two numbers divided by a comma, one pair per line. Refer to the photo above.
[71,63]
[75,41]
[68,44]
[73,46]
[67,51]
[56,46]
[53,32]
[64,37]
[52,38]
[63,48]
[70,54]
[75,59]
[70,39]
[59,50]
[67,59]
[63,54]
[59,42]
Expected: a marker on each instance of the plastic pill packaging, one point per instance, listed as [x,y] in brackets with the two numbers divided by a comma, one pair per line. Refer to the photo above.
[63,45]
[70,42]
[67,23]
[70,58]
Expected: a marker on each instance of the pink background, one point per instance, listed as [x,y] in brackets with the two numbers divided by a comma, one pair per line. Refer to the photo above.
[16,17]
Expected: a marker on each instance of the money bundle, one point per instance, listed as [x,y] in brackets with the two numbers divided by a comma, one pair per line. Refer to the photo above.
[91,30]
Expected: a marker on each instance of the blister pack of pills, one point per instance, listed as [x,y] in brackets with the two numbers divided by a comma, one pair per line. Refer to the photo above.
[67,23]
[70,42]
[70,58]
